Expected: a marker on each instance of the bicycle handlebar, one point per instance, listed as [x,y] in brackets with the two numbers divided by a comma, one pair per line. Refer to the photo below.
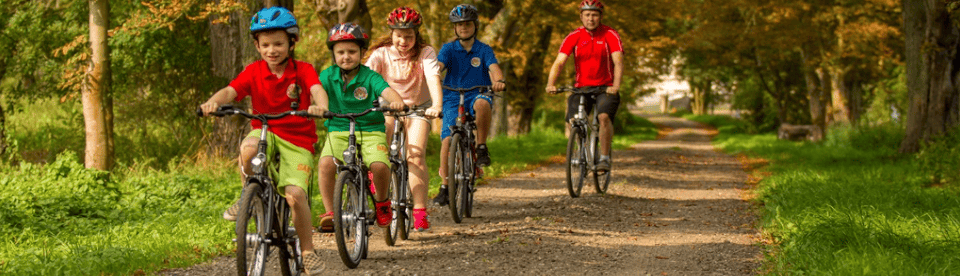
[227,110]
[328,114]
[418,112]
[484,89]
[582,90]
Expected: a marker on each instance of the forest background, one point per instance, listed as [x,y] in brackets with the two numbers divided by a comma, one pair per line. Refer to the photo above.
[113,86]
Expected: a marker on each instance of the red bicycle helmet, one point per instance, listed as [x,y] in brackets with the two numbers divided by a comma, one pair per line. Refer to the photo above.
[347,32]
[591,5]
[404,18]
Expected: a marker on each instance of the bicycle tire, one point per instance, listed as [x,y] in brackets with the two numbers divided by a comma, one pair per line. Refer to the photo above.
[348,227]
[251,251]
[454,173]
[576,163]
[290,248]
[600,181]
[397,223]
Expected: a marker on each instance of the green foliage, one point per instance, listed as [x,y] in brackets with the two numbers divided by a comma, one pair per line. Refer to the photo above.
[879,137]
[938,159]
[890,101]
[838,208]
[726,125]
[62,219]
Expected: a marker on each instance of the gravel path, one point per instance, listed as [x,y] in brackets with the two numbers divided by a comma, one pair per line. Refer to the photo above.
[675,206]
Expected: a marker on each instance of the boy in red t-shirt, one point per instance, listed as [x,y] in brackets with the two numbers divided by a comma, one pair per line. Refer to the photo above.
[271,85]
[598,56]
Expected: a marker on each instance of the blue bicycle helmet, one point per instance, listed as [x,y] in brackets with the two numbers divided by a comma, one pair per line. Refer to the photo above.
[463,13]
[274,18]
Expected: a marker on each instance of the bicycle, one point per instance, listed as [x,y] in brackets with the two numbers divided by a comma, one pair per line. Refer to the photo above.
[462,170]
[352,214]
[583,147]
[401,224]
[264,218]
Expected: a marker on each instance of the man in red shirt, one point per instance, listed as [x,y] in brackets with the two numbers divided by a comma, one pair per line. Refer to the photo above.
[598,56]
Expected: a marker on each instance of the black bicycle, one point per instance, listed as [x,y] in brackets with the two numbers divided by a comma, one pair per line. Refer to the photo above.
[263,222]
[352,214]
[583,147]
[462,169]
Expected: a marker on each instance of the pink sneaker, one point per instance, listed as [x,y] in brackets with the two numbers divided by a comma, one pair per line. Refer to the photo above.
[420,222]
[373,188]
[384,213]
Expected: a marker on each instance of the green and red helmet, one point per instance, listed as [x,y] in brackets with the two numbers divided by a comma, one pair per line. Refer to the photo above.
[347,32]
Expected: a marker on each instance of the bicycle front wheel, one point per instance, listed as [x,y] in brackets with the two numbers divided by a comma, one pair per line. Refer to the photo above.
[456,175]
[601,180]
[251,227]
[576,162]
[398,223]
[348,226]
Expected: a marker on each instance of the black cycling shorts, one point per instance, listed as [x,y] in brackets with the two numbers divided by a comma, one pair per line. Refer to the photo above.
[607,103]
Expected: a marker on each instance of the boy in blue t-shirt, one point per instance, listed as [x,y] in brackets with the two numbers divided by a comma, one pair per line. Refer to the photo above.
[469,63]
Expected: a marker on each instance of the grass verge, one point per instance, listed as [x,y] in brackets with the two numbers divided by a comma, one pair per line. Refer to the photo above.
[844,208]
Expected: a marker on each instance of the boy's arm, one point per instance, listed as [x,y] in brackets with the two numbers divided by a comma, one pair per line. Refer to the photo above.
[320,101]
[225,95]
[617,72]
[496,77]
[554,71]
[396,102]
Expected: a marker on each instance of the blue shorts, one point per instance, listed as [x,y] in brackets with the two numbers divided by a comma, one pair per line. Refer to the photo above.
[450,109]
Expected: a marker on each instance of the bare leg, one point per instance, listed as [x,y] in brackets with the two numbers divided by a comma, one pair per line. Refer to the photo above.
[325,179]
[297,199]
[417,133]
[482,109]
[606,133]
[444,151]
[381,179]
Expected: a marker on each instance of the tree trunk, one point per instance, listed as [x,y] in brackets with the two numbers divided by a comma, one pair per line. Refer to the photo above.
[931,72]
[839,94]
[96,85]
[333,12]
[701,96]
[526,102]
[495,35]
[815,92]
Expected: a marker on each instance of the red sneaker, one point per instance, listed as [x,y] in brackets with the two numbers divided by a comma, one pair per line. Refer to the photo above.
[384,213]
[420,222]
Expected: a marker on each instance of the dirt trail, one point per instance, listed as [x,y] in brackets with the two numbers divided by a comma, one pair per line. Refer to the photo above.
[674,207]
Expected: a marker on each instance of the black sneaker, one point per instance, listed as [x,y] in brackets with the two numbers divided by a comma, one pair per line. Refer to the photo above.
[483,156]
[441,198]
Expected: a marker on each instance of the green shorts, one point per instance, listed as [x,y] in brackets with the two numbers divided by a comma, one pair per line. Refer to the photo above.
[373,146]
[295,164]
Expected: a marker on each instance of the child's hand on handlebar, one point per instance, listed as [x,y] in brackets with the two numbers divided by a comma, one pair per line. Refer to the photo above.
[397,105]
[209,107]
[433,111]
[612,89]
[551,89]
[316,110]
[498,86]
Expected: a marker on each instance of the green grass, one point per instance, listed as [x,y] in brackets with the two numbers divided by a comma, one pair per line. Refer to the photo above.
[845,208]
[57,218]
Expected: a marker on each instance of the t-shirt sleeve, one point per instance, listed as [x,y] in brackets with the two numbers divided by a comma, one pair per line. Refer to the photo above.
[307,76]
[243,84]
[429,60]
[375,61]
[568,43]
[377,85]
[489,57]
[444,55]
[614,41]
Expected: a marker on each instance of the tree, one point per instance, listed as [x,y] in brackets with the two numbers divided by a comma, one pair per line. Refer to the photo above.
[97,106]
[932,39]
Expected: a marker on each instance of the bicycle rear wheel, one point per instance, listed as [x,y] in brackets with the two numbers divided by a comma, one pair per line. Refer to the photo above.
[455,177]
[348,226]
[600,180]
[250,229]
[399,220]
[576,162]
[289,252]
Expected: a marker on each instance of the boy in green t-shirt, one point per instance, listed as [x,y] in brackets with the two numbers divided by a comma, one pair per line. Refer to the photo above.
[352,88]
